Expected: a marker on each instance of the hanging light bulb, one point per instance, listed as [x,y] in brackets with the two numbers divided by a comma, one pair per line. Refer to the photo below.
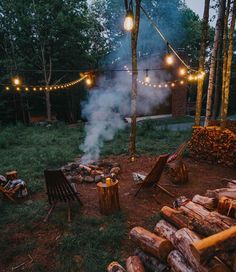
[147,78]
[129,20]
[169,59]
[7,88]
[173,84]
[88,81]
[16,81]
[182,82]
[190,78]
[182,71]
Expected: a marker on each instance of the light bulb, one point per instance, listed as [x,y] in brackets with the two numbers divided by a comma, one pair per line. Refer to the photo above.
[169,59]
[147,79]
[129,21]
[88,81]
[16,81]
[182,71]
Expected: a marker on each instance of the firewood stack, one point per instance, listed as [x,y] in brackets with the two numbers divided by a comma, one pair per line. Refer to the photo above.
[214,145]
[90,173]
[191,237]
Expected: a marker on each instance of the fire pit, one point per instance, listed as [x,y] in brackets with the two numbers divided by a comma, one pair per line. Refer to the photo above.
[93,172]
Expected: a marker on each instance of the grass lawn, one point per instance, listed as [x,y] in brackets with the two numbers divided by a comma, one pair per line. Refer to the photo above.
[90,243]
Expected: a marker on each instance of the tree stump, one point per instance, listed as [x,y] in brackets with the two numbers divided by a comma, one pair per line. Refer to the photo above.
[108,197]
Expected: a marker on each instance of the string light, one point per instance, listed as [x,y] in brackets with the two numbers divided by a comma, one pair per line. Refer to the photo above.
[147,78]
[169,59]
[7,88]
[88,81]
[182,71]
[129,17]
[16,81]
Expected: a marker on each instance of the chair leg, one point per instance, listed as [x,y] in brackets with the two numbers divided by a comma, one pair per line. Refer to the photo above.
[69,213]
[49,212]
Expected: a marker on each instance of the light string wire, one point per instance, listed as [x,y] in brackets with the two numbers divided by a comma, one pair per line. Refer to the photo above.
[165,40]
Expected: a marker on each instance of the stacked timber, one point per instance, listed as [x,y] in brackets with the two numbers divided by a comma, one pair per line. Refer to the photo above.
[193,237]
[214,145]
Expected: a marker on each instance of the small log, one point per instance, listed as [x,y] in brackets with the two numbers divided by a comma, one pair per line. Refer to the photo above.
[85,167]
[165,230]
[178,263]
[207,202]
[183,241]
[218,193]
[177,218]
[115,267]
[108,197]
[151,243]
[150,263]
[134,264]
[227,206]
[208,247]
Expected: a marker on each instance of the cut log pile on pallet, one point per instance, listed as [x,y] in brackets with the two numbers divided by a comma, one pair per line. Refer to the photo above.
[213,144]
[196,235]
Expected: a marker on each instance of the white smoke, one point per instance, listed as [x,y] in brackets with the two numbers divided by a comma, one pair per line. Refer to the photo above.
[106,108]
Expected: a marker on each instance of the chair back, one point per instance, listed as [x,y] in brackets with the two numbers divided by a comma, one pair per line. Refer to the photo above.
[58,187]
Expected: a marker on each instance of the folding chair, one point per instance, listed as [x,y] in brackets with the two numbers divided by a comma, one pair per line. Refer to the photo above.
[8,192]
[59,189]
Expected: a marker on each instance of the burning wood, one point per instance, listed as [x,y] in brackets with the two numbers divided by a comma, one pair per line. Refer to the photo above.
[91,173]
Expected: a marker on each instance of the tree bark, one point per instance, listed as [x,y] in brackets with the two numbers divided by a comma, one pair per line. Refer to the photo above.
[150,263]
[165,230]
[178,263]
[209,203]
[213,64]
[218,193]
[219,62]
[202,62]
[134,41]
[134,264]
[228,67]
[151,243]
[225,54]
[178,219]
[205,249]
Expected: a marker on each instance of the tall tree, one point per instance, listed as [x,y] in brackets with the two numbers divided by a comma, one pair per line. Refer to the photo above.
[202,62]
[213,63]
[134,41]
[225,102]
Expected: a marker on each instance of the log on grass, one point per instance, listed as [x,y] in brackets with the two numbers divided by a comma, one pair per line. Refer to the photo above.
[205,222]
[165,230]
[208,247]
[151,243]
[184,238]
[134,264]
[218,193]
[115,267]
[178,263]
[209,203]
[152,264]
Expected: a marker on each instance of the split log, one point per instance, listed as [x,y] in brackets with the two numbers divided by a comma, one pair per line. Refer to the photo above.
[150,263]
[209,203]
[218,193]
[227,206]
[229,183]
[165,230]
[208,247]
[115,267]
[151,243]
[178,263]
[177,218]
[134,264]
[183,240]
[205,222]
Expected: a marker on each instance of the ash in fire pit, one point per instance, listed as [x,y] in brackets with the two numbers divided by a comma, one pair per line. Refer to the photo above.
[91,173]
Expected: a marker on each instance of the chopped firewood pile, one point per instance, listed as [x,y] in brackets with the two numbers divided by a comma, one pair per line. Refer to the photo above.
[194,235]
[214,145]
[229,124]
[76,172]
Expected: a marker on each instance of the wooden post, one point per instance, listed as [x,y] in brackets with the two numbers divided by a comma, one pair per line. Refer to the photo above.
[108,197]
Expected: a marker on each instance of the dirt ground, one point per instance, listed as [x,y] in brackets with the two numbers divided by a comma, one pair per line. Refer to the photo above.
[139,210]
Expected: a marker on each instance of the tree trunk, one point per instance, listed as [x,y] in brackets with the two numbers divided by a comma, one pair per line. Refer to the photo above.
[115,267]
[134,264]
[213,64]
[209,203]
[151,243]
[202,62]
[134,41]
[150,263]
[228,67]
[219,62]
[225,54]
[178,263]
[205,249]
[165,230]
